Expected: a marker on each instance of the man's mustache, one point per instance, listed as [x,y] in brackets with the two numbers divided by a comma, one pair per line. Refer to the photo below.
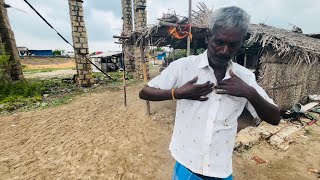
[223,56]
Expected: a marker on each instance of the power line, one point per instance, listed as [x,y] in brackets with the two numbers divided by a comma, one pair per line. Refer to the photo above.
[9,6]
[65,38]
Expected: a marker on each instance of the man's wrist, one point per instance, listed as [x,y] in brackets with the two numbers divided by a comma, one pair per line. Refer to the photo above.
[251,93]
[177,94]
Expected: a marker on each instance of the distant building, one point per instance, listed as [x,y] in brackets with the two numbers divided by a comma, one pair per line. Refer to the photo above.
[161,55]
[24,51]
[107,61]
[40,53]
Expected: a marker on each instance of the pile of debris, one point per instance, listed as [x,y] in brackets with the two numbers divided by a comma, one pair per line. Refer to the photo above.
[299,117]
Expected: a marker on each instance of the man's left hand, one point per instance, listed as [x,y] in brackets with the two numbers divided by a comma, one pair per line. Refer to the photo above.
[234,86]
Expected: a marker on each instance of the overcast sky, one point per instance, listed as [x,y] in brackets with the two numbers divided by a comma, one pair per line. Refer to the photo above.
[103,18]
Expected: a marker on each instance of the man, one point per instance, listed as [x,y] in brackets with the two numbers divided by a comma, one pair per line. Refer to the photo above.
[211,92]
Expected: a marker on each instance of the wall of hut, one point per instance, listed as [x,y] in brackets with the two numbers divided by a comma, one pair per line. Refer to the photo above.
[288,83]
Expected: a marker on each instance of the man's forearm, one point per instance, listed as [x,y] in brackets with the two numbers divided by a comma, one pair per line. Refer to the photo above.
[265,110]
[154,94]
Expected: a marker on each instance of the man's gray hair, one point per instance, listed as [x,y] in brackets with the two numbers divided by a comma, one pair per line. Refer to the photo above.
[228,18]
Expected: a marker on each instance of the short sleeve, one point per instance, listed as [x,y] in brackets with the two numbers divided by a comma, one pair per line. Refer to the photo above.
[262,93]
[168,78]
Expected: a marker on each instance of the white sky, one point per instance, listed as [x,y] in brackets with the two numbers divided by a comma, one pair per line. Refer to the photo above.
[103,18]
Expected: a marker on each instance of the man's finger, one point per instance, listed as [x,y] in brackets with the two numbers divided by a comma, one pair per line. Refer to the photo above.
[206,92]
[204,85]
[232,74]
[224,82]
[194,80]
[203,98]
[220,86]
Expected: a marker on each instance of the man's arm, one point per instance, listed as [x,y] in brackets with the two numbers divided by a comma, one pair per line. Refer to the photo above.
[265,110]
[190,90]
[235,86]
[154,94]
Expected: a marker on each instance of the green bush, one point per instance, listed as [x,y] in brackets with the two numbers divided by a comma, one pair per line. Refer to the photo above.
[20,90]
[4,65]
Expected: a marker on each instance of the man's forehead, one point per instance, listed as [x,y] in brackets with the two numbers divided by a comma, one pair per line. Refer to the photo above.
[232,34]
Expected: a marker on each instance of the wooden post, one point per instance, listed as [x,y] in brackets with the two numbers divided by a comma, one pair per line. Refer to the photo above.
[173,55]
[189,40]
[124,76]
[195,48]
[145,75]
[245,58]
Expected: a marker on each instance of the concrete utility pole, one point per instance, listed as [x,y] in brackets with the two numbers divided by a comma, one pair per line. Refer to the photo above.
[140,22]
[9,42]
[127,29]
[80,41]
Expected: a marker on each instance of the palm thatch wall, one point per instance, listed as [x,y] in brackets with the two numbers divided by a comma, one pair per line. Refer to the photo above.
[289,66]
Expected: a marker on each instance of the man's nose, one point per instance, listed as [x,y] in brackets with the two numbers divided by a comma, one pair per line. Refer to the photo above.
[226,49]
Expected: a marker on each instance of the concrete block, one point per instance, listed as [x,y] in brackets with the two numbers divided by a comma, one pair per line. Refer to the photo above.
[84,51]
[80,66]
[267,130]
[83,60]
[247,138]
[83,40]
[91,81]
[77,45]
[81,77]
[284,135]
[88,76]
[84,34]
[76,34]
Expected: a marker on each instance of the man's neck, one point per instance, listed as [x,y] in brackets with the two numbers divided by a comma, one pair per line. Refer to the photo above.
[218,68]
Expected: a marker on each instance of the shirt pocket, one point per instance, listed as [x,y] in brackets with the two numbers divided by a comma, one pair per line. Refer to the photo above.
[228,110]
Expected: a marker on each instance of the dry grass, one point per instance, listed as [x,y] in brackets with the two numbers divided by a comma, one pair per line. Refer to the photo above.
[44,63]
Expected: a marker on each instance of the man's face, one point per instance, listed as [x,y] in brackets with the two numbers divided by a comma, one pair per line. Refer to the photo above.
[223,45]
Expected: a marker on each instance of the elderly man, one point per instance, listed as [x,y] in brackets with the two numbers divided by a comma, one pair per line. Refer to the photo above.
[211,92]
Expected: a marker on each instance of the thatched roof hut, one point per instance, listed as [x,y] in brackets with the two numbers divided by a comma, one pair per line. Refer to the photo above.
[287,63]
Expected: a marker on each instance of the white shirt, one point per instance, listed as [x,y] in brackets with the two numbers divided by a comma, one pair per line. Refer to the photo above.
[204,132]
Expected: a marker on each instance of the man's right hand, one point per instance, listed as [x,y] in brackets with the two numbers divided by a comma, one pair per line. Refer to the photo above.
[194,91]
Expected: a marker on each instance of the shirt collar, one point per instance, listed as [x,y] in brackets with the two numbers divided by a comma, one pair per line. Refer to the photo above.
[204,62]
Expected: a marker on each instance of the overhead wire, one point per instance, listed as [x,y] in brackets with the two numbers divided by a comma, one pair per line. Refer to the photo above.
[78,50]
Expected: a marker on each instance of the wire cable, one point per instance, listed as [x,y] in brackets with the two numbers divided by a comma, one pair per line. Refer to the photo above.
[66,39]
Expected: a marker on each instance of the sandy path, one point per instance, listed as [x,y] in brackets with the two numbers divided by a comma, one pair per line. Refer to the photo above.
[95,137]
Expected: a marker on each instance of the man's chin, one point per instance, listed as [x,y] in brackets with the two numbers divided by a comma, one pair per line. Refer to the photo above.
[221,62]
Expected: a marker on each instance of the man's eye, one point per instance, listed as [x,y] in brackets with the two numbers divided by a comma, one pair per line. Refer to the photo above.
[219,43]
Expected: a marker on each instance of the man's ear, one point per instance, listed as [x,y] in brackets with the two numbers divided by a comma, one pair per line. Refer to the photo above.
[246,37]
[208,36]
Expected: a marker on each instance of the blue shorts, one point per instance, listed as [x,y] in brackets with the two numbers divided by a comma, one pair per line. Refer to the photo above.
[182,173]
